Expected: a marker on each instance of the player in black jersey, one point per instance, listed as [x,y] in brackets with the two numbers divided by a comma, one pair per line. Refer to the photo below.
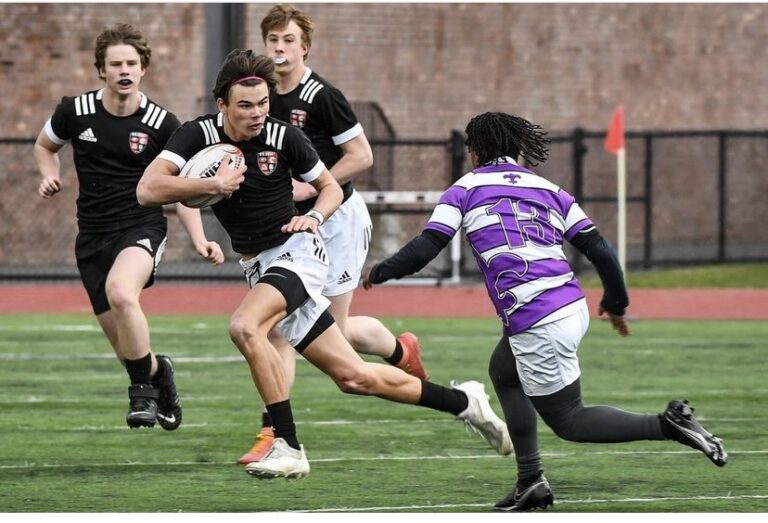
[115,133]
[308,101]
[284,260]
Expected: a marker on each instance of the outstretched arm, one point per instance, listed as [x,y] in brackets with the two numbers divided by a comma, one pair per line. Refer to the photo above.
[411,258]
[600,253]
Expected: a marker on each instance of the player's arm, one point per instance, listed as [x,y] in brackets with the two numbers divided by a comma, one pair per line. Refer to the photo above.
[160,184]
[600,253]
[411,258]
[193,224]
[357,157]
[329,197]
[47,159]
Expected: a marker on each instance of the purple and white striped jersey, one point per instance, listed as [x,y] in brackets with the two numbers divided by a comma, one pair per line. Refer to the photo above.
[516,223]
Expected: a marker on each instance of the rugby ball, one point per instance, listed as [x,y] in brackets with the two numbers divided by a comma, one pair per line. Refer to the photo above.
[204,165]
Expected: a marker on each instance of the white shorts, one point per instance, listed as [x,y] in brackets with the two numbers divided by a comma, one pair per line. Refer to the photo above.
[546,354]
[347,236]
[304,255]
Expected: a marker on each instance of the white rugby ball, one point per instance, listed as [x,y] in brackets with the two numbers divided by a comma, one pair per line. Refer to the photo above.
[204,165]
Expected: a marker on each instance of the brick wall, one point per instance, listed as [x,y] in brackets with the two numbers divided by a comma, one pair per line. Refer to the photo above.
[432,66]
[47,53]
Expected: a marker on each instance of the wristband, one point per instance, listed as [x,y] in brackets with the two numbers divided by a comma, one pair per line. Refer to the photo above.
[317,215]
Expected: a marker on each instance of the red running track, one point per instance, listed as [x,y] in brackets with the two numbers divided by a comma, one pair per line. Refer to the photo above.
[391,300]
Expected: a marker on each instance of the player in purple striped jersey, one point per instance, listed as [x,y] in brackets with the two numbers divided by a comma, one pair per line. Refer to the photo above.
[308,101]
[516,223]
[115,132]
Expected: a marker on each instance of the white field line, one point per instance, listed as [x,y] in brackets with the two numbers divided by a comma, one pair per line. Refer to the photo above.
[204,326]
[96,328]
[37,398]
[553,455]
[557,502]
[318,423]
[26,356]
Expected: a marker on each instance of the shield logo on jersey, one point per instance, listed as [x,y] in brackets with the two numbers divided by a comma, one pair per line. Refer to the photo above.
[138,142]
[267,162]
[298,118]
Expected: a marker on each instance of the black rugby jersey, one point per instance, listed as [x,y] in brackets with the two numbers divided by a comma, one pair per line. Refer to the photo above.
[110,154]
[324,114]
[254,214]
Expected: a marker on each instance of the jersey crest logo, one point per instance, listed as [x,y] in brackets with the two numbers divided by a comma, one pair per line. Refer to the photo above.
[512,178]
[138,142]
[267,162]
[298,118]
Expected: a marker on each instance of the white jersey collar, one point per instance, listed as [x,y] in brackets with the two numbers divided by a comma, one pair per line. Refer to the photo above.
[306,76]
[142,103]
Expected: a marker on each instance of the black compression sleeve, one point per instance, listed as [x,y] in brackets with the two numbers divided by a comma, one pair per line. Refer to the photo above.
[600,253]
[411,258]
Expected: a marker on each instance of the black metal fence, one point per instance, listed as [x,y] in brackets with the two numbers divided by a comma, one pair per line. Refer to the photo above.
[693,197]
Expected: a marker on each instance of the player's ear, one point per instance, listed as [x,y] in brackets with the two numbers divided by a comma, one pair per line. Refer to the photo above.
[222,105]
[473,157]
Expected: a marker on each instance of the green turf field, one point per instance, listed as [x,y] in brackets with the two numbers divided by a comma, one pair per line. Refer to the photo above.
[65,446]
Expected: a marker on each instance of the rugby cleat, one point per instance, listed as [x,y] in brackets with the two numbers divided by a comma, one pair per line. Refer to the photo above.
[142,406]
[411,360]
[536,495]
[688,431]
[261,446]
[168,402]
[282,461]
[480,417]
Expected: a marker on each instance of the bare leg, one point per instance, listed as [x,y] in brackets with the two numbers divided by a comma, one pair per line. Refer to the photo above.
[249,328]
[125,325]
[332,354]
[367,335]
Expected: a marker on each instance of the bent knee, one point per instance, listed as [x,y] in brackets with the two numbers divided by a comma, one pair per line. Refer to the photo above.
[356,381]
[242,331]
[120,298]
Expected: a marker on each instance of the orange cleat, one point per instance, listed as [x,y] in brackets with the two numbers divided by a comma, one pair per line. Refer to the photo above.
[411,361]
[261,446]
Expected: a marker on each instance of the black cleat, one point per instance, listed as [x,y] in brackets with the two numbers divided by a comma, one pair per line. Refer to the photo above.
[536,495]
[142,409]
[688,431]
[168,402]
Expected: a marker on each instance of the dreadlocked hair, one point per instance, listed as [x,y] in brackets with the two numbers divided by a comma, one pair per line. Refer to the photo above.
[494,135]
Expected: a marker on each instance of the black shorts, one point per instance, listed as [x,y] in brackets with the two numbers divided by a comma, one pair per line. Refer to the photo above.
[95,254]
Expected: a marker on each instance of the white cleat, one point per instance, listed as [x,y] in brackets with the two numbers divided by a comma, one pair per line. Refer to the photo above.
[282,461]
[481,418]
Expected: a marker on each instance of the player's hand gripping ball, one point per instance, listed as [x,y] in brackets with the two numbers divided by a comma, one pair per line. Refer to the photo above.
[204,164]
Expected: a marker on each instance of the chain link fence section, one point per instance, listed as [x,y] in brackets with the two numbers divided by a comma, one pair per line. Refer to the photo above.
[693,197]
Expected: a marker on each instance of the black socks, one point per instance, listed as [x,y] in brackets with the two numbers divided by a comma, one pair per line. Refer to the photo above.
[282,421]
[442,398]
[140,370]
[397,355]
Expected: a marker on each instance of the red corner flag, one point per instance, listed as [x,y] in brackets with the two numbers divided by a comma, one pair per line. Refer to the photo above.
[614,140]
